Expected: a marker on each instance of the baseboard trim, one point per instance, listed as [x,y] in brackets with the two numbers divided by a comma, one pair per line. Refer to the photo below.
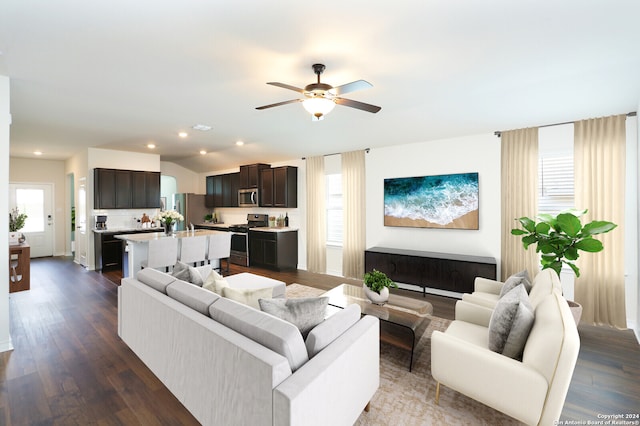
[6,346]
[633,325]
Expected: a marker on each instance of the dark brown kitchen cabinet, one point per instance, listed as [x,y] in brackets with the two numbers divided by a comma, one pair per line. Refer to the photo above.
[145,190]
[152,181]
[138,190]
[279,187]
[234,186]
[273,250]
[266,188]
[222,190]
[104,188]
[108,251]
[444,271]
[250,175]
[125,189]
[209,199]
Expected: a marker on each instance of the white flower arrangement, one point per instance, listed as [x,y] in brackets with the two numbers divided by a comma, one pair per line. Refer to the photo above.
[167,217]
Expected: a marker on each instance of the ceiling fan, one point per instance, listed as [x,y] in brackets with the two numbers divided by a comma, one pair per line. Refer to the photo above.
[321,98]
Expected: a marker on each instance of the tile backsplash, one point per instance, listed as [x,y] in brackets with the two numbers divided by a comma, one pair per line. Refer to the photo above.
[122,218]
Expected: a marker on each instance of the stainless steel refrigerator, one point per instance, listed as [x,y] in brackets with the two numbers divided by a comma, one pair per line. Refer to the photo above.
[191,207]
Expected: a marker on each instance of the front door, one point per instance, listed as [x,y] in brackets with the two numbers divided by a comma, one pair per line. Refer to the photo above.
[36,201]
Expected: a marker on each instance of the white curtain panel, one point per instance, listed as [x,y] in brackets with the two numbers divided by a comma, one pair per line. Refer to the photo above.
[353,208]
[316,216]
[599,155]
[519,177]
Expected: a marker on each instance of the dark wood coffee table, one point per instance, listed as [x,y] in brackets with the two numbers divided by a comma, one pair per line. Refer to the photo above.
[409,314]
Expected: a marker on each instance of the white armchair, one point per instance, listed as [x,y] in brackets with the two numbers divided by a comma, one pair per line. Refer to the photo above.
[486,292]
[532,390]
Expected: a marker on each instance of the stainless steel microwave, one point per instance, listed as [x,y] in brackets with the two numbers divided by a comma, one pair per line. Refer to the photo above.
[248,197]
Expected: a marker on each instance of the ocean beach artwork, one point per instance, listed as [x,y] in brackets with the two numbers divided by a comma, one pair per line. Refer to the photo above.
[441,201]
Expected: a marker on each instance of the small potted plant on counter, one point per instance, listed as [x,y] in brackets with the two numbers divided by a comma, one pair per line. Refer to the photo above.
[376,286]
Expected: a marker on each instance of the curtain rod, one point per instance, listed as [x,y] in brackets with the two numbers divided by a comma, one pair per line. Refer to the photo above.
[366,150]
[498,133]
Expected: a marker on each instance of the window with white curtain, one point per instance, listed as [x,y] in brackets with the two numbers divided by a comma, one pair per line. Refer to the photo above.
[555,169]
[334,209]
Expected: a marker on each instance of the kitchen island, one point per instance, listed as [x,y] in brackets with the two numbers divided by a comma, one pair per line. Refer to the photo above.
[138,245]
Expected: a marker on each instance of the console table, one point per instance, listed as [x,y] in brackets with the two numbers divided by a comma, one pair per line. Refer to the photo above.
[19,267]
[444,271]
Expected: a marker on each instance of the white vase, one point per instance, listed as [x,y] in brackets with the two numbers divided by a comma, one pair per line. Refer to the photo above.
[378,299]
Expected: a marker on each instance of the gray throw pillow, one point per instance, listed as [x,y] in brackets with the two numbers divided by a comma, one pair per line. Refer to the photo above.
[511,323]
[514,281]
[198,275]
[304,313]
[181,271]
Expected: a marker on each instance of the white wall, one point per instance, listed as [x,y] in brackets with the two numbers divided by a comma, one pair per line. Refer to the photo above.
[28,170]
[5,122]
[187,180]
[479,153]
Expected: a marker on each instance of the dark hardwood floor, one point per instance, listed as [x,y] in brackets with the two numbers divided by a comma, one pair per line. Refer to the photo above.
[69,366]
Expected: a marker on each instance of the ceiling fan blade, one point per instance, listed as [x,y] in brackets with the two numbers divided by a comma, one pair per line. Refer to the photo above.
[350,87]
[286,86]
[280,103]
[359,105]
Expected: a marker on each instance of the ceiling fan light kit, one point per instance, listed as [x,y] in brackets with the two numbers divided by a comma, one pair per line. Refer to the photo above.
[321,98]
[318,107]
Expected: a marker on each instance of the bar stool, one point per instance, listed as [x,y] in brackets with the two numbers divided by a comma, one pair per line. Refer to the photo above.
[193,249]
[163,253]
[219,248]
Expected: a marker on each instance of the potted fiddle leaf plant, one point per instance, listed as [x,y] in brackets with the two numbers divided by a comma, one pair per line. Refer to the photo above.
[560,238]
[376,286]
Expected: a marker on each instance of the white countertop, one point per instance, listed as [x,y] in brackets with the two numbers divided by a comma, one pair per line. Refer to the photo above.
[125,230]
[273,229]
[148,236]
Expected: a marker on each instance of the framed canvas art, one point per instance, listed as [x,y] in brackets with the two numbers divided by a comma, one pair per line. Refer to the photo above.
[439,201]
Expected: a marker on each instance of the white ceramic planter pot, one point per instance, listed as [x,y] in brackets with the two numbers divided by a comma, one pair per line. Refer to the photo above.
[378,299]
[576,310]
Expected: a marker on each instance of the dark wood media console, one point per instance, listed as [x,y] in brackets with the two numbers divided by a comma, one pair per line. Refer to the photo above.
[443,271]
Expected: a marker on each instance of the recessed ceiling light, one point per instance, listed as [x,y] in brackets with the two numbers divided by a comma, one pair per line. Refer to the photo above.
[37,152]
[151,145]
[201,127]
[239,143]
[183,134]
[203,152]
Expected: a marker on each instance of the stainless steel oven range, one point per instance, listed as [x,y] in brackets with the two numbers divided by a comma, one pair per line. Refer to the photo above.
[240,237]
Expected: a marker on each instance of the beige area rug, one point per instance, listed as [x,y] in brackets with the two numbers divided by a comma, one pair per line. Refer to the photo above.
[407,398]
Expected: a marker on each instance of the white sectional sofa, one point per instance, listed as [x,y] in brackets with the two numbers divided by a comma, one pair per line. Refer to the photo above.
[246,367]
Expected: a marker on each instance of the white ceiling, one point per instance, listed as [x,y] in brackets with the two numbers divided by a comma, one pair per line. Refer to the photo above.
[118,74]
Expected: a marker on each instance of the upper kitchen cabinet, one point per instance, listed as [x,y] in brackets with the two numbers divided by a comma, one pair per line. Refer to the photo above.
[125,189]
[104,188]
[145,190]
[222,190]
[279,187]
[250,175]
